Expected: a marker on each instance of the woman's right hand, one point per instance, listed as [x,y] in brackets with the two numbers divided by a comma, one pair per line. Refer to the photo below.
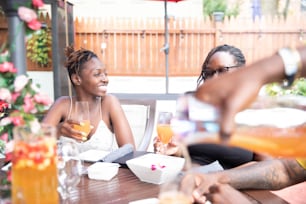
[65,128]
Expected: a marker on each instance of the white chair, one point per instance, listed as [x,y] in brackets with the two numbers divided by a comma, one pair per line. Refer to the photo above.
[141,116]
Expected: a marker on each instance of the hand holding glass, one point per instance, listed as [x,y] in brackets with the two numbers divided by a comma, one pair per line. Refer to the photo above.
[81,115]
[164,130]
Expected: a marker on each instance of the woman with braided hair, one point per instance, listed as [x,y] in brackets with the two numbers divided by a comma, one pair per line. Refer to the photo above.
[88,76]
[221,59]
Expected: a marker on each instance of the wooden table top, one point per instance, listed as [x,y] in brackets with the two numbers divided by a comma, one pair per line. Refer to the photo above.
[126,187]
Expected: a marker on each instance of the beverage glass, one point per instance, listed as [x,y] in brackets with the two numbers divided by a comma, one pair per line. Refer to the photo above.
[34,170]
[81,114]
[69,167]
[170,193]
[164,130]
[273,125]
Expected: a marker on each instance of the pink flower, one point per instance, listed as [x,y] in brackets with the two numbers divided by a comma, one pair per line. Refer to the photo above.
[17,120]
[37,3]
[26,14]
[15,95]
[28,104]
[34,24]
[7,67]
[5,95]
[4,137]
[20,82]
[42,98]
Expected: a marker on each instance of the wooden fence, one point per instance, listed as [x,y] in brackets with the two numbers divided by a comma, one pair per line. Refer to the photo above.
[132,47]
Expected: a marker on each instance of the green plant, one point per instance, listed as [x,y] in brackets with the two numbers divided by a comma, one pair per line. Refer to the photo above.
[297,88]
[39,47]
[211,6]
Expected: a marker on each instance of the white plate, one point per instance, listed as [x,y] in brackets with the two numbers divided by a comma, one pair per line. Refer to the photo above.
[93,155]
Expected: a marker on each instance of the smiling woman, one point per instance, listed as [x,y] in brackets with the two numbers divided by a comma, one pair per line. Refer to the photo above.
[88,76]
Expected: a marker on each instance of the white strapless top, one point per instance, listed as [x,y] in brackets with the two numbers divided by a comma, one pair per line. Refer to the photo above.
[102,139]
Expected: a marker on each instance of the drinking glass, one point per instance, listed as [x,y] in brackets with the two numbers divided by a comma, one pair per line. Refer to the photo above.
[34,172]
[170,192]
[81,114]
[164,131]
[69,167]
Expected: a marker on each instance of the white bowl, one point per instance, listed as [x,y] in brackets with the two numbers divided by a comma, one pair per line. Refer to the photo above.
[156,168]
[103,171]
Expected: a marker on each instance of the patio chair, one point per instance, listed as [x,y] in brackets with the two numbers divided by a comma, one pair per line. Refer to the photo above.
[141,116]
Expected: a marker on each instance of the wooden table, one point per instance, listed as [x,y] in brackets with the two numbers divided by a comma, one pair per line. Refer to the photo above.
[126,187]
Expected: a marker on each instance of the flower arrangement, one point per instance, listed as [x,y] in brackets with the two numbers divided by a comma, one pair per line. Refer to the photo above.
[20,98]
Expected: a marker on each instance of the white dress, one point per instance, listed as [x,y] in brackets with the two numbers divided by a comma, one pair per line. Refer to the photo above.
[102,139]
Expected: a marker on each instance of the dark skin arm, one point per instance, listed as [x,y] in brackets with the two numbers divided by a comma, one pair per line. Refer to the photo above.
[235,91]
[271,175]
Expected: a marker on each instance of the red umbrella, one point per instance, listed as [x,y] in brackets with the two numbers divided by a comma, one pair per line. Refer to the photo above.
[166,45]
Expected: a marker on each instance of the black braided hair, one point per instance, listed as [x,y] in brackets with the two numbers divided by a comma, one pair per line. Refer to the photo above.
[236,52]
[76,59]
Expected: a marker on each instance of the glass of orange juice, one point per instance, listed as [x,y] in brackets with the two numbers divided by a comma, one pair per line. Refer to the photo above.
[34,165]
[164,130]
[81,115]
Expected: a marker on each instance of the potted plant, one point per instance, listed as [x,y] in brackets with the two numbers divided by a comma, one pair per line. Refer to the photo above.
[217,9]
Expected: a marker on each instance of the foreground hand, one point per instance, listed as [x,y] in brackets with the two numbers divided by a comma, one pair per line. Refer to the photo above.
[231,99]
[195,185]
[225,194]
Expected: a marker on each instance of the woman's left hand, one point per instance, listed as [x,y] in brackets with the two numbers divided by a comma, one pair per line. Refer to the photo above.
[172,148]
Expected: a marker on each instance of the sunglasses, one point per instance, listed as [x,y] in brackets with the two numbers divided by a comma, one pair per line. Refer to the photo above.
[210,73]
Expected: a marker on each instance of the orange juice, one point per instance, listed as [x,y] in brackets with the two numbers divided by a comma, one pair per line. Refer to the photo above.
[283,142]
[34,170]
[84,127]
[164,133]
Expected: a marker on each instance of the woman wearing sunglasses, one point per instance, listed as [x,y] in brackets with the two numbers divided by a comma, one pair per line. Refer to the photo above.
[221,59]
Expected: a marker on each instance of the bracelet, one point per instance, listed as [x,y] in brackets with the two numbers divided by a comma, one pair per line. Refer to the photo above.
[292,64]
